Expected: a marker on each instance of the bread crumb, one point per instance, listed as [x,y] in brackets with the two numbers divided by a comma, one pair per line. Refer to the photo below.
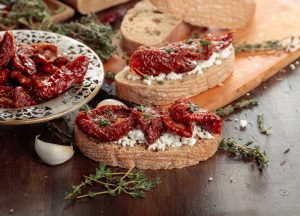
[235,120]
[243,123]
[248,94]
[297,62]
[232,180]
[210,179]
[220,84]
[11,211]
[292,67]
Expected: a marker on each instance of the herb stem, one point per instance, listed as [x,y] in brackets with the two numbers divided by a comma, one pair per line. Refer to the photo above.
[100,182]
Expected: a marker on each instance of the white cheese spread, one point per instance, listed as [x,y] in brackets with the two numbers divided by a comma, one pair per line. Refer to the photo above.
[215,59]
[166,140]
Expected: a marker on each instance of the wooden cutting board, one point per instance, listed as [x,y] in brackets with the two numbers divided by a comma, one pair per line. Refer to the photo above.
[273,20]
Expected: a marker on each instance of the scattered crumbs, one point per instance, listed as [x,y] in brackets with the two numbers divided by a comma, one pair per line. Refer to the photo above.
[232,180]
[235,120]
[11,211]
[210,179]
[243,123]
[297,62]
[220,84]
[286,151]
[292,67]
[282,163]
[248,94]
[265,87]
[46,176]
[279,79]
[250,58]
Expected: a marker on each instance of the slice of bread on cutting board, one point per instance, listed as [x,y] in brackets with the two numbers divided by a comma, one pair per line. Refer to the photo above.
[140,157]
[144,25]
[224,14]
[162,94]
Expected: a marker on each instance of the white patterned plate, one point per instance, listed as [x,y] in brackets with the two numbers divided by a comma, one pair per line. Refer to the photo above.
[68,101]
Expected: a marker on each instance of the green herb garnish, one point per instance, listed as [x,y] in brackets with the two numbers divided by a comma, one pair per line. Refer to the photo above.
[229,109]
[85,108]
[104,122]
[189,41]
[113,183]
[60,9]
[141,108]
[110,75]
[146,115]
[193,107]
[169,50]
[195,35]
[245,152]
[270,45]
[160,82]
[205,42]
[146,77]
[260,123]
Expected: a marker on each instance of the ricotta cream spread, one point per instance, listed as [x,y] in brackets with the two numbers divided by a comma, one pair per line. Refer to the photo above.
[215,59]
[166,140]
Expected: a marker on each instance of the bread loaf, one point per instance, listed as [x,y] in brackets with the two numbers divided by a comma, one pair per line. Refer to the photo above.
[144,25]
[224,14]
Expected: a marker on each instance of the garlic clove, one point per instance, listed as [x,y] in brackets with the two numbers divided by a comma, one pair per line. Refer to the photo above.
[110,102]
[52,154]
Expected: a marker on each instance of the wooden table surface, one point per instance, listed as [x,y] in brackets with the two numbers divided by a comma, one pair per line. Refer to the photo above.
[30,187]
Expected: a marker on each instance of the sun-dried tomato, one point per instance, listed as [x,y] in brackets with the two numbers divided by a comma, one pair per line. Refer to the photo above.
[45,52]
[24,64]
[5,91]
[4,74]
[62,79]
[61,61]
[211,122]
[150,122]
[21,98]
[6,102]
[7,48]
[48,68]
[21,78]
[184,110]
[223,41]
[106,123]
[181,129]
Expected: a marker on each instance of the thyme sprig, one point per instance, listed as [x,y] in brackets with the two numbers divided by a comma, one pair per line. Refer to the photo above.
[245,152]
[66,138]
[229,109]
[113,183]
[269,45]
[260,123]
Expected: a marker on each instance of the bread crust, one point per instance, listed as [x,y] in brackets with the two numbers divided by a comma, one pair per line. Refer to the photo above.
[222,14]
[142,25]
[163,94]
[141,158]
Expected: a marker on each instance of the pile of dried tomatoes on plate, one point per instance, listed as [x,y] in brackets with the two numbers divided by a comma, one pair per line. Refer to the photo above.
[32,74]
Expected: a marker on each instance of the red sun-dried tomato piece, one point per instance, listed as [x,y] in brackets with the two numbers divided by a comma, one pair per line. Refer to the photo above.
[7,48]
[21,78]
[150,122]
[178,57]
[48,68]
[106,123]
[181,129]
[22,98]
[211,122]
[184,110]
[45,52]
[4,74]
[61,61]
[223,41]
[24,64]
[5,91]
[6,102]
[62,79]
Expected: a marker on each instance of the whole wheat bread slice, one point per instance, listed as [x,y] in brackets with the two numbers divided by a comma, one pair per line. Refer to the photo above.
[224,14]
[144,25]
[141,158]
[162,94]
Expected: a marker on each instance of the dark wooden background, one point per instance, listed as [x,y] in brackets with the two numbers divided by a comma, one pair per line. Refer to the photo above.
[29,187]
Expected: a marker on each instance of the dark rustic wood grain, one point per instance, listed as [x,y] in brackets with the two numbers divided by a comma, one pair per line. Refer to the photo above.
[30,187]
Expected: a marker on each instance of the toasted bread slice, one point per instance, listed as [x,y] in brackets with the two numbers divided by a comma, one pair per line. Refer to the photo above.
[141,158]
[162,94]
[144,25]
[222,14]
